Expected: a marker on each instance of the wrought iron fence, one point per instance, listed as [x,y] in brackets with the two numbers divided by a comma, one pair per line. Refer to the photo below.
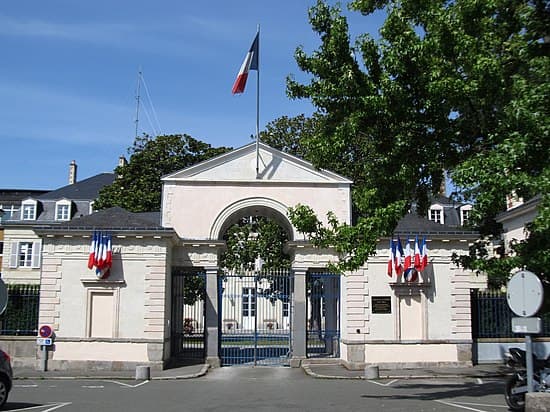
[492,318]
[187,326]
[323,315]
[21,315]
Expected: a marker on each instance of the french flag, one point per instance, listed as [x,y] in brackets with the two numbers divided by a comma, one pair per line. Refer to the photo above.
[424,254]
[250,63]
[91,257]
[391,260]
[408,255]
[399,258]
[417,260]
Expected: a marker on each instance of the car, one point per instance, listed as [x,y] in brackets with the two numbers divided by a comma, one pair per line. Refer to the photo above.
[6,377]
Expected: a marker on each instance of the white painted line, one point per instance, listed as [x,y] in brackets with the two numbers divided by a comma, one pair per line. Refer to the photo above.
[383,384]
[456,405]
[53,407]
[61,405]
[483,404]
[25,386]
[127,385]
[93,386]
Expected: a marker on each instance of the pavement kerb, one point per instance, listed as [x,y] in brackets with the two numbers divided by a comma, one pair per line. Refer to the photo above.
[309,372]
[44,376]
[198,374]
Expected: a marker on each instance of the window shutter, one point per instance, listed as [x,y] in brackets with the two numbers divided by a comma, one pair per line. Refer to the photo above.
[14,254]
[36,252]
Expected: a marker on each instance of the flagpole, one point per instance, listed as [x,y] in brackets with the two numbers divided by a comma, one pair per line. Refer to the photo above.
[258,110]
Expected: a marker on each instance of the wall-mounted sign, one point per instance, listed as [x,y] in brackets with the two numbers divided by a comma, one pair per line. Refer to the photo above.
[381,304]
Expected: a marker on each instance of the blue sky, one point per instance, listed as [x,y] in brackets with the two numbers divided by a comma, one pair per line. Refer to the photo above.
[68,77]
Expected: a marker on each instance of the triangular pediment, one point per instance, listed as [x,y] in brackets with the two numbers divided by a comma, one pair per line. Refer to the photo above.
[240,165]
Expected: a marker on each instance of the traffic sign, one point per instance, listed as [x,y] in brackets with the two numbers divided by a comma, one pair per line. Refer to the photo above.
[526,325]
[525,293]
[45,331]
[44,341]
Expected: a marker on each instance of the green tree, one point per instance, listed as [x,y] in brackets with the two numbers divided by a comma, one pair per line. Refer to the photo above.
[289,134]
[138,186]
[254,237]
[458,86]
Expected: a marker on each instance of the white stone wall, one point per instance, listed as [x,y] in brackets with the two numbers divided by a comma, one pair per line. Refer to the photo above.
[138,282]
[194,219]
[20,275]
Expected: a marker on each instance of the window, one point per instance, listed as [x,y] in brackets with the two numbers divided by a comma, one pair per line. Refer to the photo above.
[28,210]
[10,212]
[435,214]
[25,254]
[63,210]
[465,216]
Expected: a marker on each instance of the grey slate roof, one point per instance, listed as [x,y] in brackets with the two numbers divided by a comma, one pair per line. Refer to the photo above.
[87,189]
[412,224]
[114,218]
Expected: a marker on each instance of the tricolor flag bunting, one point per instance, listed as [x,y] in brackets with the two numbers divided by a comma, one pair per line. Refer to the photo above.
[407,262]
[101,254]
[250,63]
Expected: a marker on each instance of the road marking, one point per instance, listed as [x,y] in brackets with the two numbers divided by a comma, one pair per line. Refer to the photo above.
[483,404]
[383,384]
[127,385]
[53,407]
[93,386]
[456,405]
[25,386]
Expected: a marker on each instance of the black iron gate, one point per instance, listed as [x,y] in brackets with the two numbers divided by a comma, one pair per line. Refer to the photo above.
[187,324]
[255,317]
[323,315]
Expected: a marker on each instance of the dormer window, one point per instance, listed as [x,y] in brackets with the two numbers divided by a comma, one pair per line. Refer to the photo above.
[63,210]
[435,214]
[28,210]
[465,212]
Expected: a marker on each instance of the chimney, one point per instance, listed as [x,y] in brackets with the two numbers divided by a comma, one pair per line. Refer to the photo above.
[122,161]
[72,173]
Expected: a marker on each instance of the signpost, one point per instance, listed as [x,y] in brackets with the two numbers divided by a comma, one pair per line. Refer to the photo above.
[525,296]
[45,340]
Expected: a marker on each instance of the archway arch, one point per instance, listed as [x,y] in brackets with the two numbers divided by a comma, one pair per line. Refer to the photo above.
[253,206]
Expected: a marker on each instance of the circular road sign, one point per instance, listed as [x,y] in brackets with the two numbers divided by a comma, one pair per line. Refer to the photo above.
[525,293]
[3,296]
[45,331]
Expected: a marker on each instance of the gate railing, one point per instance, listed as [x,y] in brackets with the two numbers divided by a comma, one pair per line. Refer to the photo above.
[492,317]
[188,314]
[21,315]
[255,317]
[323,315]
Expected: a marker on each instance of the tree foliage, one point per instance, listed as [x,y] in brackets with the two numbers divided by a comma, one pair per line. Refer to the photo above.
[138,186]
[255,237]
[458,86]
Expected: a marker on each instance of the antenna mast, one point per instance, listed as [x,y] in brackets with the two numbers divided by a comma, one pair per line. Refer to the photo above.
[137,100]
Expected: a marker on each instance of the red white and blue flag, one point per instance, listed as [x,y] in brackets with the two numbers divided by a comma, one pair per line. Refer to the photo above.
[391,260]
[101,254]
[424,254]
[399,258]
[417,260]
[250,63]
[407,263]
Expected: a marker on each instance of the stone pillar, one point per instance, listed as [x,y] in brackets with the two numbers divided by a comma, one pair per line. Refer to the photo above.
[299,318]
[212,318]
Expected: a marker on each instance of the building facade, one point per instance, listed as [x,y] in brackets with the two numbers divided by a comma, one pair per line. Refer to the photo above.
[140,313]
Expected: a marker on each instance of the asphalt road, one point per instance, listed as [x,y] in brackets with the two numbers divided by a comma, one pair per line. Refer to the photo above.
[256,389]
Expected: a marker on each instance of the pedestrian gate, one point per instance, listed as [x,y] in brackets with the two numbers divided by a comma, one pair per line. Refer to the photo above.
[255,317]
[187,324]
